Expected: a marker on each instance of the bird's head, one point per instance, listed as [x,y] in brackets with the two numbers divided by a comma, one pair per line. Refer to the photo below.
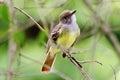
[68,16]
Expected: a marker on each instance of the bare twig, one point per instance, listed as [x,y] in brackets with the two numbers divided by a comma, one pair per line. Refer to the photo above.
[11,44]
[26,14]
[74,51]
[75,62]
[61,75]
[114,73]
[105,28]
[89,61]
[42,17]
[30,58]
[11,57]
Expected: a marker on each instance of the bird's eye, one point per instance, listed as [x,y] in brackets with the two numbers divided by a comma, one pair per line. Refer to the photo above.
[65,17]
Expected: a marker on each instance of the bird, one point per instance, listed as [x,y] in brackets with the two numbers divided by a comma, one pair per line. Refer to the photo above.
[65,33]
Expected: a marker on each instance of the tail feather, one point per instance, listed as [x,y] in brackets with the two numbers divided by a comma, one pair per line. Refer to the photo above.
[48,62]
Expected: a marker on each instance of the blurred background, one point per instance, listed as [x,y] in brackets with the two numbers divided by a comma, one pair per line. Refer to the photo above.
[23,44]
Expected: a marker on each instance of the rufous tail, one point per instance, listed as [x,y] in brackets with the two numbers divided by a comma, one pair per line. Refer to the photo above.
[48,62]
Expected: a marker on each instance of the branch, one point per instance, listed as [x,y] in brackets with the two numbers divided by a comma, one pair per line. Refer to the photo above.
[11,44]
[61,75]
[30,58]
[114,72]
[43,20]
[26,14]
[75,51]
[75,62]
[88,61]
[105,28]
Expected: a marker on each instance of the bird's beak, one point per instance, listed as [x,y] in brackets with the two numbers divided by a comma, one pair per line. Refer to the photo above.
[73,12]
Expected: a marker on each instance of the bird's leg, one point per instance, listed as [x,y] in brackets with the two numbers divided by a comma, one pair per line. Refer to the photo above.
[64,54]
[72,59]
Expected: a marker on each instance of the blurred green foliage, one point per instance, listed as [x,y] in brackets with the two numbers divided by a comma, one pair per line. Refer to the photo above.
[4,19]
[31,41]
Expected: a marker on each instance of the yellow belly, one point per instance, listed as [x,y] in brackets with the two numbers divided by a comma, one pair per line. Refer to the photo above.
[67,39]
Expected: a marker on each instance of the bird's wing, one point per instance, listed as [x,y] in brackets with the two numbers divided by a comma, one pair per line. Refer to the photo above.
[56,32]
[54,35]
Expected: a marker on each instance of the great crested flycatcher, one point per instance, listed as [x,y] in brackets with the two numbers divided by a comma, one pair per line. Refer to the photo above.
[64,34]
